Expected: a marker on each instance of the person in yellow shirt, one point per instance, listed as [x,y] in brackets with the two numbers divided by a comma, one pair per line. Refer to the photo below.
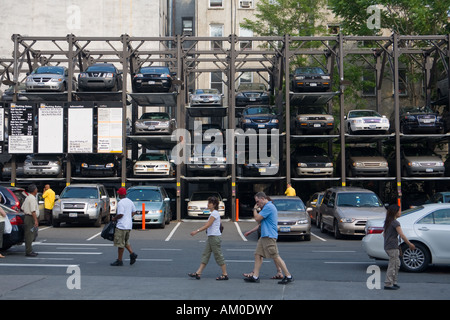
[49,202]
[290,192]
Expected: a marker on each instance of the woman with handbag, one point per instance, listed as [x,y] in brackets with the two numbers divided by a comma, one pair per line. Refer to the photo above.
[213,244]
[392,231]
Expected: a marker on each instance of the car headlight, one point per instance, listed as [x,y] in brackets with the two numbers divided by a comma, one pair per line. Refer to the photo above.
[140,124]
[109,75]
[274,121]
[92,205]
[355,121]
[329,165]
[325,77]
[84,165]
[139,75]
[300,118]
[164,124]
[29,79]
[413,164]
[357,164]
[192,208]
[56,79]
[247,121]
[302,221]
[109,165]
[439,164]
[83,75]
[302,165]
[384,164]
[299,77]
[347,220]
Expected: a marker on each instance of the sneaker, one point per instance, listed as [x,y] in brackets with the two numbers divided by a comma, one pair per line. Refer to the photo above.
[252,279]
[117,263]
[286,280]
[133,258]
[391,287]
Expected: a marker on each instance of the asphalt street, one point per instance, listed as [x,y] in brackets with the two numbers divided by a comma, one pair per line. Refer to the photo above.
[74,264]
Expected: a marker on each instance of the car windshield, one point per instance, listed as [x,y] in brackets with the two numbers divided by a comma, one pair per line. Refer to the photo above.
[198,196]
[358,199]
[208,91]
[151,195]
[289,205]
[363,152]
[418,152]
[45,157]
[208,149]
[252,86]
[312,110]
[155,116]
[161,70]
[363,113]
[153,157]
[102,68]
[80,192]
[258,110]
[423,109]
[98,158]
[49,70]
[309,70]
[311,151]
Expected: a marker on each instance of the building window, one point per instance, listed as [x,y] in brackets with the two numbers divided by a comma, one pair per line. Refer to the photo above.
[216,3]
[187,25]
[245,4]
[216,30]
[216,81]
[246,44]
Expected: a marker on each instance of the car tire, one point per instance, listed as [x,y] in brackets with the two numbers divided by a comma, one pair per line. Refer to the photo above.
[322,226]
[416,260]
[337,232]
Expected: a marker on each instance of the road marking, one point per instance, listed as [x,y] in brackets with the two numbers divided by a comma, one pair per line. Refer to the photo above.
[249,250]
[94,236]
[44,228]
[239,231]
[37,265]
[318,237]
[246,261]
[152,260]
[331,251]
[172,232]
[159,249]
[67,252]
[347,262]
[72,244]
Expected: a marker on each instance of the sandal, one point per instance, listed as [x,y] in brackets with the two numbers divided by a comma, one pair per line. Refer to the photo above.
[248,275]
[194,275]
[278,276]
[222,277]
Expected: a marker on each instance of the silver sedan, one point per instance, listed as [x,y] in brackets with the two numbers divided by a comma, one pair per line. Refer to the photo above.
[427,226]
[206,97]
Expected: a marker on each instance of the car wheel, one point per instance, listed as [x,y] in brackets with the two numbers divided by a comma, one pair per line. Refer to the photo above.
[322,226]
[98,222]
[317,221]
[55,223]
[307,237]
[416,260]
[337,233]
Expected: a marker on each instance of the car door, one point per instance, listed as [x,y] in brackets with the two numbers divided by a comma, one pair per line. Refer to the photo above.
[327,209]
[434,229]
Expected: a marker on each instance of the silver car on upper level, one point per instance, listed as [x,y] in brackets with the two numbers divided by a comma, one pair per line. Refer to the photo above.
[49,78]
[206,97]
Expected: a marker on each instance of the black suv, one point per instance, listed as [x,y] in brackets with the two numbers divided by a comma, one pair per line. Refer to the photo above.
[420,119]
[100,76]
[310,79]
[153,79]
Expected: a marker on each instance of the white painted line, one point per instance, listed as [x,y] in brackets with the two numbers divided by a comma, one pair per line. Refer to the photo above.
[75,253]
[246,250]
[72,244]
[246,261]
[43,228]
[318,237]
[348,262]
[63,259]
[172,232]
[152,260]
[37,265]
[94,236]
[239,231]
[331,251]
[159,249]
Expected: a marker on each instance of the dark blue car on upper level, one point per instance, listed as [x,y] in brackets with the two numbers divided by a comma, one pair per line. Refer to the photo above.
[259,117]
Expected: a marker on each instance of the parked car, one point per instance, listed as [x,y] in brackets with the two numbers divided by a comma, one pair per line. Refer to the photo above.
[198,203]
[156,202]
[292,217]
[310,79]
[152,164]
[311,161]
[82,203]
[207,158]
[17,235]
[427,226]
[155,123]
[6,166]
[96,165]
[41,164]
[420,120]
[49,78]
[368,121]
[440,197]
[206,97]
[251,93]
[364,161]
[153,79]
[100,77]
[9,93]
[419,161]
[313,205]
[345,210]
[112,193]
[252,165]
[258,117]
[413,198]
[12,197]
[313,119]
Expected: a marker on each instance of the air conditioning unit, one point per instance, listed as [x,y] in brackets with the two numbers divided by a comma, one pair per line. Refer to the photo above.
[246,4]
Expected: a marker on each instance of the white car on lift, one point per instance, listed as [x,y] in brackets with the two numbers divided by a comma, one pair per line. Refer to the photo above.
[366,121]
[152,164]
[198,204]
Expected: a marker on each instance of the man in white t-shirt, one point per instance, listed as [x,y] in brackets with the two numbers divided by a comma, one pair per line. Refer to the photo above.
[125,212]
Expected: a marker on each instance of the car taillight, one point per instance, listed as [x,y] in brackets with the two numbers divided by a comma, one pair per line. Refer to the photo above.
[374,230]
[16,221]
[16,207]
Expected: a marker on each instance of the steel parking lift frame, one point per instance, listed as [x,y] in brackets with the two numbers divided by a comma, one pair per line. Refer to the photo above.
[269,57]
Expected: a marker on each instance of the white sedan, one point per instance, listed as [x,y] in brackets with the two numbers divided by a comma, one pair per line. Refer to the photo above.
[198,204]
[366,120]
[427,226]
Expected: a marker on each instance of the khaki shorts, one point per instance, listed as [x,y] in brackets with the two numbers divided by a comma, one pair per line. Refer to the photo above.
[121,238]
[267,248]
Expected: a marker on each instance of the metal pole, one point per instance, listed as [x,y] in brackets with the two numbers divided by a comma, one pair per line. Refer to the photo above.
[397,119]
[341,107]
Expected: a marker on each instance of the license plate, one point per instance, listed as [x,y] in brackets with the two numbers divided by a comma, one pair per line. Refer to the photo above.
[207,166]
[261,125]
[285,229]
[313,84]
[429,170]
[317,125]
[316,170]
[150,170]
[151,82]
[206,212]
[151,127]
[252,99]
[262,169]
[73,215]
